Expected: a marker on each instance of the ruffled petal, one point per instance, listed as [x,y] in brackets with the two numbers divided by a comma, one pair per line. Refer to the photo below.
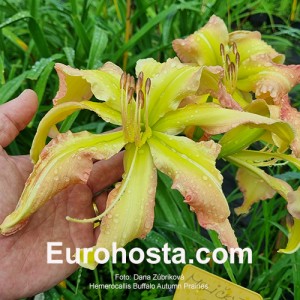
[253,189]
[79,85]
[203,46]
[173,83]
[252,160]
[214,119]
[72,87]
[149,66]
[267,79]
[132,216]
[249,43]
[294,237]
[66,160]
[292,116]
[60,112]
[192,168]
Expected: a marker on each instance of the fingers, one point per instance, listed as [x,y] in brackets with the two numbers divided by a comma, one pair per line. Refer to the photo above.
[106,172]
[15,115]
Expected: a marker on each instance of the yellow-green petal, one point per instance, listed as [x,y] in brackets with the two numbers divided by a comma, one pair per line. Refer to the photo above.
[253,188]
[214,119]
[192,168]
[72,87]
[66,160]
[203,46]
[294,237]
[175,82]
[132,216]
[60,112]
[79,85]
[249,43]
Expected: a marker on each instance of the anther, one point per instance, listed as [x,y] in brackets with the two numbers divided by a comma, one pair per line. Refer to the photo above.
[128,81]
[130,94]
[132,82]
[148,86]
[227,60]
[222,50]
[237,58]
[123,80]
[141,99]
[234,48]
[231,68]
[139,82]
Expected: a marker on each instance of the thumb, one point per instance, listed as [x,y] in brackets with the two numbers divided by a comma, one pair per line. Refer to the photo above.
[15,115]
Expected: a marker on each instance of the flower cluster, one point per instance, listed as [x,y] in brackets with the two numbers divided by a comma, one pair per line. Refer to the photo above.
[231,84]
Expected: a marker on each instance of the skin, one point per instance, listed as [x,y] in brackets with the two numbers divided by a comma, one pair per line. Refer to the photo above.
[24,270]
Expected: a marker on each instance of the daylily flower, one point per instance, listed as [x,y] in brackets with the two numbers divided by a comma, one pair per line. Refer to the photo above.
[242,64]
[258,185]
[149,113]
[249,64]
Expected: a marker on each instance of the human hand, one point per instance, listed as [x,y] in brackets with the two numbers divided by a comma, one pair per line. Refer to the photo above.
[24,270]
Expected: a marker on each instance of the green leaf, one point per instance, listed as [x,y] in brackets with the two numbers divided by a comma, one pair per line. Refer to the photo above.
[98,46]
[17,17]
[39,38]
[7,91]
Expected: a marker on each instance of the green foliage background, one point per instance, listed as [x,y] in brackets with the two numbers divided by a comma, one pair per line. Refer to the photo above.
[34,34]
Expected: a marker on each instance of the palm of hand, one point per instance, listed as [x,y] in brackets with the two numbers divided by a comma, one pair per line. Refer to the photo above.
[23,260]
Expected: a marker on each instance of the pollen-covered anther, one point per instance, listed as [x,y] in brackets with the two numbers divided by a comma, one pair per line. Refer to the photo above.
[123,80]
[222,50]
[130,94]
[228,61]
[141,98]
[139,83]
[237,58]
[148,86]
[234,48]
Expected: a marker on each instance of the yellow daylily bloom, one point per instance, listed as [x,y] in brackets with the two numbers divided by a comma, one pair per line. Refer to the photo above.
[257,185]
[148,110]
[249,64]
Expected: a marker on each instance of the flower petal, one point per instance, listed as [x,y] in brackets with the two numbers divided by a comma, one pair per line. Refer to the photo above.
[192,168]
[267,79]
[66,160]
[72,87]
[214,119]
[173,83]
[292,116]
[60,112]
[79,85]
[250,160]
[203,46]
[249,43]
[132,216]
[294,237]
[253,188]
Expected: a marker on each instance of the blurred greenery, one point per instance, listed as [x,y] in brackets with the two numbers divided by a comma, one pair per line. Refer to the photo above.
[34,34]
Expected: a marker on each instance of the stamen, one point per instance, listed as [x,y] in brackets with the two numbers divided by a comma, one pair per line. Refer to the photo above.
[130,94]
[141,99]
[132,82]
[228,61]
[139,82]
[147,90]
[234,48]
[148,86]
[222,50]
[128,82]
[237,58]
[123,80]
